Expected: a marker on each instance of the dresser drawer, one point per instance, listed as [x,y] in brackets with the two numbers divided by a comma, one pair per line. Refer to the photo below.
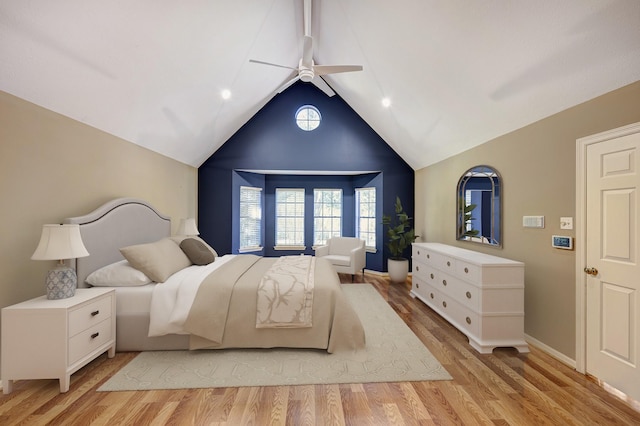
[420,270]
[425,291]
[426,256]
[463,318]
[466,294]
[87,341]
[467,271]
[85,316]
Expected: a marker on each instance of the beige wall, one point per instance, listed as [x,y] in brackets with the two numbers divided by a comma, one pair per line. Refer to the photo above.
[537,164]
[53,167]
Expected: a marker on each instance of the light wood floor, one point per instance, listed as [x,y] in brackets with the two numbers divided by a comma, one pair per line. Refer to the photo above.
[503,388]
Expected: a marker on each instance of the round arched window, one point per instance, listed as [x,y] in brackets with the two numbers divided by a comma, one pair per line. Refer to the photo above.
[308,117]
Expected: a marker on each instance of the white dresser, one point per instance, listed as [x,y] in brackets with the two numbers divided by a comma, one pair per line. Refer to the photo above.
[481,295]
[52,339]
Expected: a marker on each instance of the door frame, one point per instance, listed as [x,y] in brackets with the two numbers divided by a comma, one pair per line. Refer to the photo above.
[581,234]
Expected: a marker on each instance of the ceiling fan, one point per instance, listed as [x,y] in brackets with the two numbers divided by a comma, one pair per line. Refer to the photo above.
[307,70]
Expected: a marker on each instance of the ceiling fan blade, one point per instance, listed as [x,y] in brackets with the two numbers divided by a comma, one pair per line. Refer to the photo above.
[307,17]
[290,80]
[334,69]
[322,85]
[307,52]
[271,64]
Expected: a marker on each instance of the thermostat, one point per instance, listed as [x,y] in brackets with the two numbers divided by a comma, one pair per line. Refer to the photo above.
[562,242]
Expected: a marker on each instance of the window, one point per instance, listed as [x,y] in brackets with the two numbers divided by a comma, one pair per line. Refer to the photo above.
[289,218]
[366,216]
[308,117]
[327,215]
[250,218]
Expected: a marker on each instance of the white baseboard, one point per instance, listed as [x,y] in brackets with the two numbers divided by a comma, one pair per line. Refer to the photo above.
[381,274]
[550,351]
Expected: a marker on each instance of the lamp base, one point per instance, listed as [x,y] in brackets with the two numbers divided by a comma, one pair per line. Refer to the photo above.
[61,283]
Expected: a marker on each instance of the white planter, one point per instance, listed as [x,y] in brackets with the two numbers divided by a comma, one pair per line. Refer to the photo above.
[398,270]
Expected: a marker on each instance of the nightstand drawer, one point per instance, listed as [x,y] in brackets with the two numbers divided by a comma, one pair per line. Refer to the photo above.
[93,313]
[89,340]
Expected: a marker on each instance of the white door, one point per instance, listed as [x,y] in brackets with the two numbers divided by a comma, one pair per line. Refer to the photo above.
[611,264]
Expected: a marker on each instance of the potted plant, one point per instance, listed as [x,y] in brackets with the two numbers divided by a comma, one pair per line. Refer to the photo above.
[465,212]
[400,235]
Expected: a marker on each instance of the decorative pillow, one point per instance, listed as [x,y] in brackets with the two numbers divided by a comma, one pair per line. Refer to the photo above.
[180,238]
[119,274]
[158,260]
[197,251]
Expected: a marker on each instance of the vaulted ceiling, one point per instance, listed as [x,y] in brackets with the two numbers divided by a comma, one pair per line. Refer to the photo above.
[457,72]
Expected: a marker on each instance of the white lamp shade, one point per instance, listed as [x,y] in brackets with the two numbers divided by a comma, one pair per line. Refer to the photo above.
[59,242]
[188,227]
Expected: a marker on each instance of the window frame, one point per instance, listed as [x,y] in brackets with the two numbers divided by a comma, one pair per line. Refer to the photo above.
[331,232]
[371,219]
[296,244]
[308,123]
[250,248]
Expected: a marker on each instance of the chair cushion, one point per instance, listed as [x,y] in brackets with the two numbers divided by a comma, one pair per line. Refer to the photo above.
[344,245]
[336,259]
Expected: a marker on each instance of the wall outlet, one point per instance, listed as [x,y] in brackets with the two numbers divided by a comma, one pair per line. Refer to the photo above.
[566,223]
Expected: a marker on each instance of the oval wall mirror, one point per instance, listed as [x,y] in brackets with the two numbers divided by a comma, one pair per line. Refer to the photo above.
[479,206]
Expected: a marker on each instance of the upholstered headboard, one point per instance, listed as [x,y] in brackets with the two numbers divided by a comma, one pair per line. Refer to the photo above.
[118,223]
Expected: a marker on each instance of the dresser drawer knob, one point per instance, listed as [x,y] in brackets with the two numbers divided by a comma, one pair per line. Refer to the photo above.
[468,320]
[431,276]
[94,335]
[448,263]
[444,282]
[428,256]
[444,304]
[417,267]
[94,313]
[468,295]
[418,252]
[417,285]
[431,295]
[466,270]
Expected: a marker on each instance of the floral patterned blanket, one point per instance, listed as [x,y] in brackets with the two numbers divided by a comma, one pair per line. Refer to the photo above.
[285,293]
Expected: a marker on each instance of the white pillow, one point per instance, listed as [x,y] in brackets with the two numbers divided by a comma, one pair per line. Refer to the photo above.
[119,274]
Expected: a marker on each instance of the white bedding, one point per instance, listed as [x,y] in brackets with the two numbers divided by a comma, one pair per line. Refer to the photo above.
[133,300]
[172,300]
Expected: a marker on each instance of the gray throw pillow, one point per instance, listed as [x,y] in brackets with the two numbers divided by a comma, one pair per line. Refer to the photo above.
[196,251]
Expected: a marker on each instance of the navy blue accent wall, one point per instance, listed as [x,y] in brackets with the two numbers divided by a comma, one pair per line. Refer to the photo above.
[271,140]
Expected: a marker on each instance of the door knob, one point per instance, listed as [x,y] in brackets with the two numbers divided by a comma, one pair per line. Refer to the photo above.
[591,271]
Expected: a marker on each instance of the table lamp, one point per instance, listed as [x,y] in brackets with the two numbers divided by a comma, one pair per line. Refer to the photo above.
[188,227]
[60,242]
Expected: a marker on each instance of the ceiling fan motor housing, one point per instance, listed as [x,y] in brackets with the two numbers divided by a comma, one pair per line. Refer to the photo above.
[306,74]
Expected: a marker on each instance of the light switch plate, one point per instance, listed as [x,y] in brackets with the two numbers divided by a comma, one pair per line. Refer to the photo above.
[533,221]
[566,223]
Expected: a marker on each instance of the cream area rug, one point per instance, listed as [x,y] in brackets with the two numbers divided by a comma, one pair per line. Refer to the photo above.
[393,354]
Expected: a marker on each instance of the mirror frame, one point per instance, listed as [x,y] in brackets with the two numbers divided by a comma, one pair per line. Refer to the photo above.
[496,196]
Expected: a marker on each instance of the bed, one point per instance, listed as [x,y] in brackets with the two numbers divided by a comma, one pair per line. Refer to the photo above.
[146,312]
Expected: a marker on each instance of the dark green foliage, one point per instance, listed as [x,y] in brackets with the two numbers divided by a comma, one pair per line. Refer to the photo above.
[400,233]
[465,212]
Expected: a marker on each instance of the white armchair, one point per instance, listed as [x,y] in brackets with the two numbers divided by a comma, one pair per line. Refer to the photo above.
[346,254]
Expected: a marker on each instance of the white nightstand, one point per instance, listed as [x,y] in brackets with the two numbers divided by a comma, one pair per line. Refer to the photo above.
[52,339]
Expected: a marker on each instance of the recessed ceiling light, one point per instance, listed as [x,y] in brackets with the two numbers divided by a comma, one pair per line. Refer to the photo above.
[226,94]
[386,102]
